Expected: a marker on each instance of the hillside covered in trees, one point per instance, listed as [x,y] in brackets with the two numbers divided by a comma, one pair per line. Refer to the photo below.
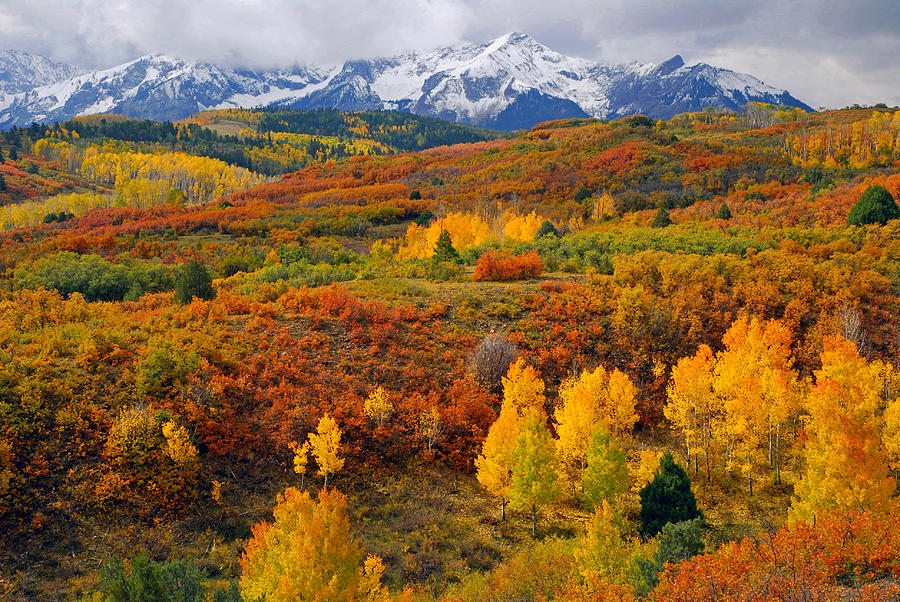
[594,360]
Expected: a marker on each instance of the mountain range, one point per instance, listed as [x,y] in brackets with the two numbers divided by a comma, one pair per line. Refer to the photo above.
[509,83]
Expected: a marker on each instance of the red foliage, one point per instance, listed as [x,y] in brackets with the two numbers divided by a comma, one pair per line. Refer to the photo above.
[798,562]
[503,265]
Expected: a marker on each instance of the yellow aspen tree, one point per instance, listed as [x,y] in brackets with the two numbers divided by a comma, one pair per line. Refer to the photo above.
[494,464]
[757,388]
[577,417]
[307,553]
[692,405]
[431,426]
[378,406]
[595,398]
[846,460]
[619,406]
[178,444]
[602,552]
[891,435]
[523,388]
[533,467]
[300,460]
[325,445]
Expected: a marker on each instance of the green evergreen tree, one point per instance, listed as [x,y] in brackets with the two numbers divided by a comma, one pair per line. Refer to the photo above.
[415,195]
[13,155]
[2,183]
[667,498]
[606,475]
[875,206]
[546,229]
[193,280]
[425,218]
[662,219]
[583,193]
[534,468]
[444,250]
[724,212]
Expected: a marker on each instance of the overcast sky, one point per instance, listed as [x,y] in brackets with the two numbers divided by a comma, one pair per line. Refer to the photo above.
[827,53]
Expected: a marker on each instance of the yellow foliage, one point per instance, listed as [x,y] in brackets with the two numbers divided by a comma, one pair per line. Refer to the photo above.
[647,466]
[465,229]
[378,407]
[32,212]
[495,464]
[178,444]
[846,461]
[216,491]
[602,552]
[307,553]
[325,444]
[136,430]
[692,405]
[521,227]
[892,433]
[758,389]
[523,389]
[301,456]
[431,426]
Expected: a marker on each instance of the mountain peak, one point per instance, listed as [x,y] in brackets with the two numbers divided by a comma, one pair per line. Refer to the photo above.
[512,81]
[667,67]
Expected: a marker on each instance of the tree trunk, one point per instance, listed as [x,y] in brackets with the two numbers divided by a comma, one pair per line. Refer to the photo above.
[533,520]
[503,509]
[750,481]
[325,486]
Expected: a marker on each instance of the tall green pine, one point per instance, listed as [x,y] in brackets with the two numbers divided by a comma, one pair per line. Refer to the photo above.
[667,498]
[444,250]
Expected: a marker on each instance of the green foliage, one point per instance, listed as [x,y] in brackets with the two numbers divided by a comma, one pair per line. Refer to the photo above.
[165,368]
[141,579]
[662,219]
[606,475]
[534,474]
[57,217]
[444,250]
[677,542]
[547,229]
[425,218]
[415,195]
[93,277]
[875,206]
[193,280]
[724,212]
[667,498]
[583,193]
[641,121]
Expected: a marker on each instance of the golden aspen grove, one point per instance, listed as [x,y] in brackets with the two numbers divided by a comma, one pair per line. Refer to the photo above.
[264,354]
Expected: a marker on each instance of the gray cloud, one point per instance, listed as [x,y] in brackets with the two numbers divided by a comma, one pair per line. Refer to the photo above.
[829,53]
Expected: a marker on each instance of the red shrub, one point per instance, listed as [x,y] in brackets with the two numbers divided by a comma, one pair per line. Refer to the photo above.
[503,265]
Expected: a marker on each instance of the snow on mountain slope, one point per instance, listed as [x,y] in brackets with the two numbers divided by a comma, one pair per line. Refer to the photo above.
[21,71]
[511,82]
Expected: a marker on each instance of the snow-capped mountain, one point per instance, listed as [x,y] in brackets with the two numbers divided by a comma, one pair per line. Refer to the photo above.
[21,71]
[508,83]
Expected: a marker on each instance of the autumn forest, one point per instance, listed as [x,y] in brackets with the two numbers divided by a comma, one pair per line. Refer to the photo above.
[315,355]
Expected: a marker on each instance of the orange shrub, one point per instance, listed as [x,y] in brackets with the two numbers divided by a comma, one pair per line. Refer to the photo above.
[503,265]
